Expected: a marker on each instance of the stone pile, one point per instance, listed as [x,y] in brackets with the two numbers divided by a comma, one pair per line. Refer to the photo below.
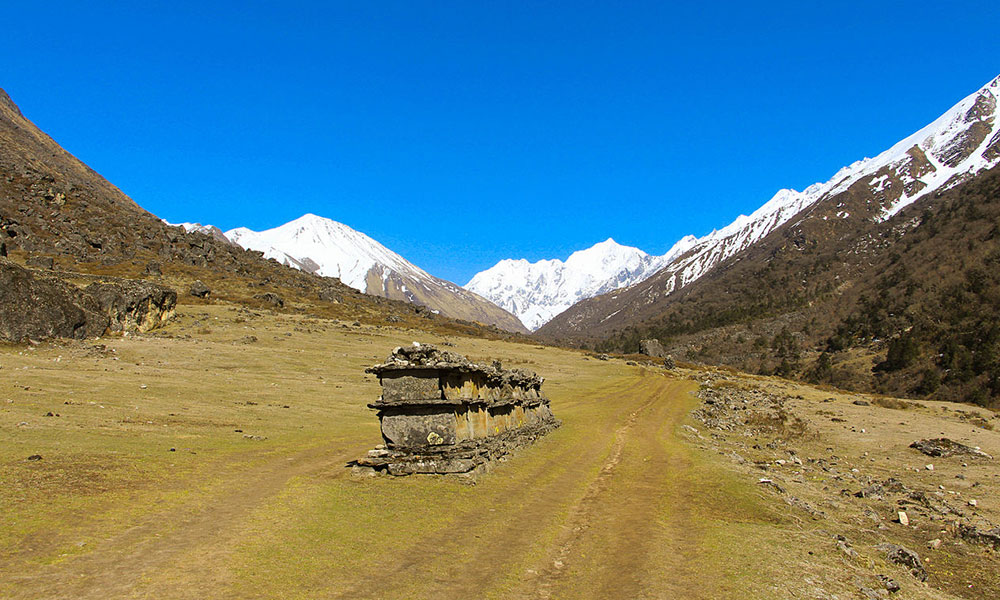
[443,414]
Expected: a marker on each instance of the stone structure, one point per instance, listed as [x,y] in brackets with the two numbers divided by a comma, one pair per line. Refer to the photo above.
[441,413]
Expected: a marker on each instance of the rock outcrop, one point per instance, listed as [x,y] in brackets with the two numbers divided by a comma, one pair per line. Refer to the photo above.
[133,305]
[37,307]
[652,348]
[442,414]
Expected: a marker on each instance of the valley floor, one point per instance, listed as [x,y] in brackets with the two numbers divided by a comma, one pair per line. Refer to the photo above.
[208,461]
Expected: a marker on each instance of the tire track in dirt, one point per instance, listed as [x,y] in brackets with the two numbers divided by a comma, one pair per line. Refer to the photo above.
[450,562]
[606,550]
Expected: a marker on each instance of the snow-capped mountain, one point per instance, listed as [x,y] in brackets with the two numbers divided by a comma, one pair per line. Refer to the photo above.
[962,142]
[331,249]
[538,291]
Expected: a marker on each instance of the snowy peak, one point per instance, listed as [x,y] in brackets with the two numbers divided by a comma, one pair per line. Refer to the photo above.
[955,147]
[960,143]
[538,291]
[325,247]
[338,250]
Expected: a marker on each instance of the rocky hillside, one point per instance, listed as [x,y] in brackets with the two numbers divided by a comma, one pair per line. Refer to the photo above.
[885,282]
[331,249]
[59,216]
[948,151]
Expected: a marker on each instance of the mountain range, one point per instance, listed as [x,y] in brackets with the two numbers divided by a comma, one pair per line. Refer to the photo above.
[947,151]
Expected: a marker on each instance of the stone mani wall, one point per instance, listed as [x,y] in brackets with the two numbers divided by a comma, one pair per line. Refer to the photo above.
[440,413]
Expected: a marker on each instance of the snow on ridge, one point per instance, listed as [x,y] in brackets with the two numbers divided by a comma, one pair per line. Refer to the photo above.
[536,292]
[339,250]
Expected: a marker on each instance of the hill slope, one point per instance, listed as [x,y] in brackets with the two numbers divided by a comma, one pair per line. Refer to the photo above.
[53,205]
[893,268]
[960,143]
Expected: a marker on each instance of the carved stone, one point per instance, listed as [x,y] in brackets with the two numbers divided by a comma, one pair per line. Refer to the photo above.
[441,413]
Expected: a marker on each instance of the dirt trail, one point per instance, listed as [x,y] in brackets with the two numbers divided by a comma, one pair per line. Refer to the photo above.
[602,548]
[601,517]
[137,557]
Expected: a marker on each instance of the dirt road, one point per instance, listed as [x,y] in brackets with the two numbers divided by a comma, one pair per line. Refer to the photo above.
[598,515]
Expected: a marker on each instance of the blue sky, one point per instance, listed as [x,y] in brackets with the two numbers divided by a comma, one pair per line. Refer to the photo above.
[461,133]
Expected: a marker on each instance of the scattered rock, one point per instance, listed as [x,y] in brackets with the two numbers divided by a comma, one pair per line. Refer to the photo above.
[603,357]
[199,290]
[35,457]
[332,295]
[987,537]
[771,484]
[861,403]
[905,557]
[42,262]
[945,447]
[889,584]
[934,544]
[902,518]
[845,547]
[154,268]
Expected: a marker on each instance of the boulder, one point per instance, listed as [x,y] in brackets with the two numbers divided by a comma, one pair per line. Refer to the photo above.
[37,307]
[133,305]
[271,299]
[199,289]
[652,348]
[330,295]
[945,447]
[905,557]
[42,262]
[34,307]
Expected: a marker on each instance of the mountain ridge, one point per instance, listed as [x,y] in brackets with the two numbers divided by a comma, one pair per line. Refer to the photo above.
[961,142]
[329,248]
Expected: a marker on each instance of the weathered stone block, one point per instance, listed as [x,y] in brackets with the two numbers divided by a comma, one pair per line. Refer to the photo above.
[428,428]
[411,385]
[441,413]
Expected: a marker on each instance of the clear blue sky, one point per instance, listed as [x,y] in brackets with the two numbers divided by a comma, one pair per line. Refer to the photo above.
[460,133]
